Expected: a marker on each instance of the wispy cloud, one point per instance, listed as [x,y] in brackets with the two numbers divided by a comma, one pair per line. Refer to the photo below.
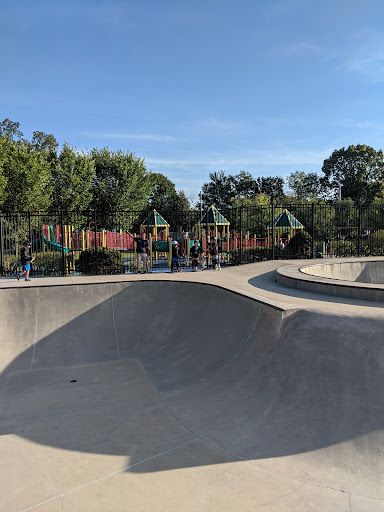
[372,66]
[221,125]
[368,125]
[256,159]
[366,58]
[302,48]
[152,137]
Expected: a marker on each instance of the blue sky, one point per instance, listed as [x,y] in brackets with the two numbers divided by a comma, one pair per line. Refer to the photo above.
[198,86]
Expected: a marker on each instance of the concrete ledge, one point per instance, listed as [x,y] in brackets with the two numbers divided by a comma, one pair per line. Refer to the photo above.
[311,278]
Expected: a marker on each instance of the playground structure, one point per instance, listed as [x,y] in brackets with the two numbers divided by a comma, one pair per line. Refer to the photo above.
[72,241]
[244,235]
[285,222]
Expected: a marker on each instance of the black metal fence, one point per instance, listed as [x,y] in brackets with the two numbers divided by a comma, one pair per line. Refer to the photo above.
[95,242]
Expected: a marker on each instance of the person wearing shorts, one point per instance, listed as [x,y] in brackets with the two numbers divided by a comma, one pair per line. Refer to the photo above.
[176,253]
[26,260]
[214,252]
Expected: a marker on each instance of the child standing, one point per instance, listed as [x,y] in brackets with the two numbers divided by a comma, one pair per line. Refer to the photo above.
[175,261]
[214,252]
[195,253]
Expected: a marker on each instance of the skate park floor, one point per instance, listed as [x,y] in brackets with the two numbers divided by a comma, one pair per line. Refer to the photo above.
[198,392]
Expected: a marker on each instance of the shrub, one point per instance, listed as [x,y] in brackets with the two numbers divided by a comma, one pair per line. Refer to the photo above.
[344,248]
[101,261]
[45,264]
[299,246]
[249,255]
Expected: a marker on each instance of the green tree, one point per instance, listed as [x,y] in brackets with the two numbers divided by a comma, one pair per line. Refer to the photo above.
[360,171]
[245,185]
[272,186]
[164,196]
[305,187]
[44,142]
[10,129]
[121,181]
[72,175]
[26,176]
[219,191]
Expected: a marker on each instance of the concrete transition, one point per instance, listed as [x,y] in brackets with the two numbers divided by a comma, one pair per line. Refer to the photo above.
[358,279]
[169,395]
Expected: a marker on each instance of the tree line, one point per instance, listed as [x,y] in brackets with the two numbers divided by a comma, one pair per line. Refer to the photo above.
[36,176]
[354,175]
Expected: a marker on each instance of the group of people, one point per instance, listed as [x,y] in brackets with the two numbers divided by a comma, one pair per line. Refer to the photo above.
[142,250]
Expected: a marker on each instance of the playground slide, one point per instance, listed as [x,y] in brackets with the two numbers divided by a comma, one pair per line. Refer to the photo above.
[54,246]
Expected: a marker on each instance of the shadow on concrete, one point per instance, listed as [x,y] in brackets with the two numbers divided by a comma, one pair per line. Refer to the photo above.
[155,365]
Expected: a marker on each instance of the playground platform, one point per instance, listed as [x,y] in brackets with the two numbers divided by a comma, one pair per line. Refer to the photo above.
[200,392]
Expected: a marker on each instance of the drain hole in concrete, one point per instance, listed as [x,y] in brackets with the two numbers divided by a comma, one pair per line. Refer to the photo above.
[74,380]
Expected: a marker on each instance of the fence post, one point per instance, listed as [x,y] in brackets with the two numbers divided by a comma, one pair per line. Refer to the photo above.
[241,235]
[313,232]
[273,230]
[2,244]
[62,242]
[29,227]
[358,231]
[96,257]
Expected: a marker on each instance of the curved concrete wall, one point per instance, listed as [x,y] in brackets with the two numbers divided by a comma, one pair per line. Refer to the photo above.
[299,393]
[359,271]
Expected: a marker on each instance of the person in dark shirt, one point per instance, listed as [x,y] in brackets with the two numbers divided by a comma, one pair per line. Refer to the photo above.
[26,259]
[195,253]
[142,251]
[214,252]
[176,253]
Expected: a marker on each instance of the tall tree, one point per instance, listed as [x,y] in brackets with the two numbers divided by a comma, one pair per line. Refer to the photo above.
[272,186]
[10,129]
[121,181]
[219,191]
[44,142]
[164,196]
[72,174]
[304,186]
[358,169]
[245,185]
[27,176]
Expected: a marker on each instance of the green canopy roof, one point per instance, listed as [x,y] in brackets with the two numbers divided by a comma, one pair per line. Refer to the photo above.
[213,216]
[286,220]
[154,219]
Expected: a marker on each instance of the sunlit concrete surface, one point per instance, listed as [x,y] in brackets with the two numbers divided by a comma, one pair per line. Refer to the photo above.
[218,391]
[356,278]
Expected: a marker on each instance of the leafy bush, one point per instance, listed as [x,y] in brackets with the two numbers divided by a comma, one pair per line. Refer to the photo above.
[45,264]
[249,255]
[344,248]
[374,245]
[101,261]
[300,245]
[51,263]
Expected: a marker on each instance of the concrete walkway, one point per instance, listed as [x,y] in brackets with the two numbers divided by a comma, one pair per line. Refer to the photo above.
[195,391]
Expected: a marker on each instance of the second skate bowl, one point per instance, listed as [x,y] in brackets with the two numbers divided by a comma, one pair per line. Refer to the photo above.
[136,369]
[358,271]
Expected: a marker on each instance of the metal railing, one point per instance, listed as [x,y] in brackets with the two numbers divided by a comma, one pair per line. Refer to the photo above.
[93,242]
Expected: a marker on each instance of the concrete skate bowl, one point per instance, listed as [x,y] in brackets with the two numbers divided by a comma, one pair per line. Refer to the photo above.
[357,271]
[138,369]
[360,279]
